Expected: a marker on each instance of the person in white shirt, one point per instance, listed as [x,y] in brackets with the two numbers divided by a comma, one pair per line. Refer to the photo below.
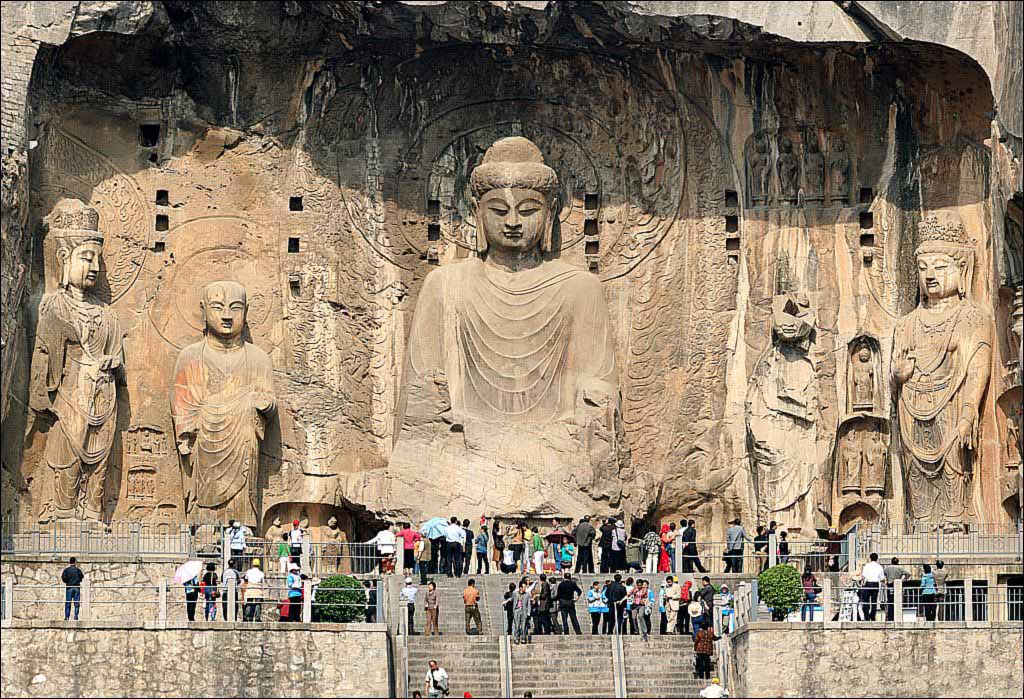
[295,538]
[873,576]
[386,542]
[252,592]
[408,597]
[437,680]
[455,543]
[715,690]
[237,534]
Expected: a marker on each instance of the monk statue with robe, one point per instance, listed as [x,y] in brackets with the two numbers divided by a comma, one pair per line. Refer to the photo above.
[510,400]
[223,396]
[78,363]
[941,364]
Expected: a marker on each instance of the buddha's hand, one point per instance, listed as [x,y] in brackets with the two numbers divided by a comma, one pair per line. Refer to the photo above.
[596,403]
[965,428]
[263,402]
[110,362]
[903,363]
[185,442]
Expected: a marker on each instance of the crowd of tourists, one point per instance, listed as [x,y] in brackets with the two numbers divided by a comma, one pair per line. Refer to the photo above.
[453,547]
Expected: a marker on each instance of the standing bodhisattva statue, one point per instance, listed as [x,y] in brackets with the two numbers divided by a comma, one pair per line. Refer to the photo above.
[941,362]
[510,394]
[223,395]
[80,341]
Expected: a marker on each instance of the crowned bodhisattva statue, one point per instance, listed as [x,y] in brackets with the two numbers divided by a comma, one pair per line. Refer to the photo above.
[79,362]
[941,363]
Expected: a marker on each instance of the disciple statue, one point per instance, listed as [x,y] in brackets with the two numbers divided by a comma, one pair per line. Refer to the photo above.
[851,456]
[79,361]
[223,396]
[274,531]
[814,171]
[782,417]
[875,452]
[789,171]
[942,356]
[510,402]
[839,173]
[759,169]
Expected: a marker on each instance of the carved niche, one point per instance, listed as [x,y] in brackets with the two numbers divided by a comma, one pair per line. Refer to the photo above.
[863,376]
[147,453]
[862,456]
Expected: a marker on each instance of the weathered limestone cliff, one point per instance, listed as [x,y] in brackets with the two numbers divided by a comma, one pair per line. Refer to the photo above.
[759,192]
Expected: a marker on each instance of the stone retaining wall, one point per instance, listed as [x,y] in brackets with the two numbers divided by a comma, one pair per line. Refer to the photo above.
[878,660]
[337,660]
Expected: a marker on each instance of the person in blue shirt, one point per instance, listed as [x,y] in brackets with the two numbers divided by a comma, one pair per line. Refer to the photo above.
[483,563]
[597,605]
[928,593]
[294,593]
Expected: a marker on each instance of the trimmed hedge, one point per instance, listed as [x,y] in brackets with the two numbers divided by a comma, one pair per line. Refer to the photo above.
[781,589]
[339,599]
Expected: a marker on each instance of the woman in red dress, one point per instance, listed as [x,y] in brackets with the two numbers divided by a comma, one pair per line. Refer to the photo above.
[664,565]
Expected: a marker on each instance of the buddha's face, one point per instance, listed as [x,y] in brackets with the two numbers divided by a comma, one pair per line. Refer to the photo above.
[864,355]
[939,275]
[791,319]
[224,310]
[84,265]
[514,220]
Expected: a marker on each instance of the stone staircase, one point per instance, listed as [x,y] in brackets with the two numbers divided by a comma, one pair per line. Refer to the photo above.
[560,666]
[661,667]
[452,616]
[473,663]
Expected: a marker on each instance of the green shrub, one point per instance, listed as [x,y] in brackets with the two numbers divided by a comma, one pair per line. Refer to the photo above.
[780,588]
[339,599]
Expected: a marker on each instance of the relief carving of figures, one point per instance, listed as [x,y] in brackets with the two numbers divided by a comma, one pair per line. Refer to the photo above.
[759,171]
[839,172]
[78,365]
[863,456]
[789,171]
[223,397]
[782,418]
[510,378]
[814,170]
[942,354]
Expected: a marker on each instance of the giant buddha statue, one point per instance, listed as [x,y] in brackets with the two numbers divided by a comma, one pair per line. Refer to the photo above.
[510,399]
[941,363]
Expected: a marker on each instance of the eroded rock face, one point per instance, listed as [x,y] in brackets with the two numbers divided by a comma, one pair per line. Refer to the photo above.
[322,156]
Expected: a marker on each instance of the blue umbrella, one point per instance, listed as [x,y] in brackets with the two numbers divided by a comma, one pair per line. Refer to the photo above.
[434,527]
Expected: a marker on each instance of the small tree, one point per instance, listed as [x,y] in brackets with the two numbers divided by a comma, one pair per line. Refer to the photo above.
[339,599]
[780,588]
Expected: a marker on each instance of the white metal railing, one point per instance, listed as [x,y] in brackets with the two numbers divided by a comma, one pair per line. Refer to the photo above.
[978,542]
[165,602]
